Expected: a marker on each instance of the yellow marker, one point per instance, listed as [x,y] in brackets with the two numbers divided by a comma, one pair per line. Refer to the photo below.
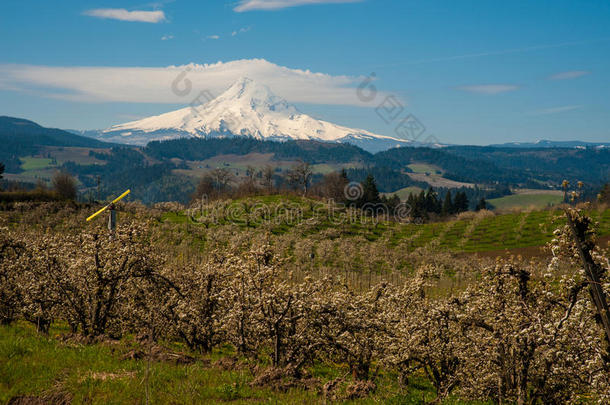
[106,207]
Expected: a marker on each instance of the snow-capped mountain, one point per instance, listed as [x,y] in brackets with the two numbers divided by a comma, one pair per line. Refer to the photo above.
[249,109]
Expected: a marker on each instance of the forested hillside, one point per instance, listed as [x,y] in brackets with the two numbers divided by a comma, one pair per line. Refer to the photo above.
[169,170]
[20,137]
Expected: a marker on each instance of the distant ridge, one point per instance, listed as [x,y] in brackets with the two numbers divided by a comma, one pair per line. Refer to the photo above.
[28,133]
[553,144]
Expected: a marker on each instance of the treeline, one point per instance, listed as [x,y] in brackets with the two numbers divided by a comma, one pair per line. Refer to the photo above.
[389,165]
[63,187]
[341,188]
[482,165]
[387,179]
[205,148]
[454,167]
[126,167]
[590,165]
[426,203]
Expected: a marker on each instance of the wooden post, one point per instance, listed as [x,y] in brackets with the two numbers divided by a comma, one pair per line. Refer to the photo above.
[111,220]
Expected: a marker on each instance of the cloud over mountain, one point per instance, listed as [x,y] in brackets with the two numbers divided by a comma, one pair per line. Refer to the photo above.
[178,84]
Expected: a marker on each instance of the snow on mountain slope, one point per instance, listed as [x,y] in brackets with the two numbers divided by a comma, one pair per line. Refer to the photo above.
[249,109]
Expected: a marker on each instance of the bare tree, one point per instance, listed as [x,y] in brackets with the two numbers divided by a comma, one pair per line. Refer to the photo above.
[267,175]
[250,173]
[205,188]
[248,186]
[299,176]
[333,186]
[222,177]
[64,185]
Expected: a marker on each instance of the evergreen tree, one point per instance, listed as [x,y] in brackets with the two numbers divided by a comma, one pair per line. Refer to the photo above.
[604,194]
[461,202]
[447,208]
[432,202]
[482,205]
[391,202]
[370,194]
[411,202]
[418,206]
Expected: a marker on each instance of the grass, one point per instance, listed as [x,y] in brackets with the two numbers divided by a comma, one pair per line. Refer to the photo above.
[35,365]
[74,154]
[35,163]
[423,168]
[403,193]
[526,200]
[43,168]
[493,233]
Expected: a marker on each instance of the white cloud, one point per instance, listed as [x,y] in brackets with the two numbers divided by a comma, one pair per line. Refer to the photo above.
[213,37]
[124,15]
[489,88]
[159,84]
[556,110]
[573,74]
[167,37]
[241,31]
[248,5]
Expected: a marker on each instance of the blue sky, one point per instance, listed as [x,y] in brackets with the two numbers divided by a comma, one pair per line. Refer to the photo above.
[472,72]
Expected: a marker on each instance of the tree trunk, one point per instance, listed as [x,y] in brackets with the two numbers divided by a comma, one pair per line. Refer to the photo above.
[593,271]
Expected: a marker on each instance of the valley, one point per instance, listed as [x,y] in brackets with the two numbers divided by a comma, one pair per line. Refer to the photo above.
[334,202]
[253,265]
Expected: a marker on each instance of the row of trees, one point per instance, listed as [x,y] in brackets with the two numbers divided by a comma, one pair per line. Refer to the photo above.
[334,185]
[524,332]
[428,202]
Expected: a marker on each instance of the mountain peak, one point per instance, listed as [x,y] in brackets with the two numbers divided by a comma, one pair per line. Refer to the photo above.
[246,108]
[243,85]
[243,81]
[250,92]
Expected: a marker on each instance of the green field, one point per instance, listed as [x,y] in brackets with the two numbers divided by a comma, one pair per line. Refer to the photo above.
[482,232]
[36,168]
[493,233]
[60,368]
[35,163]
[403,193]
[423,168]
[526,200]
